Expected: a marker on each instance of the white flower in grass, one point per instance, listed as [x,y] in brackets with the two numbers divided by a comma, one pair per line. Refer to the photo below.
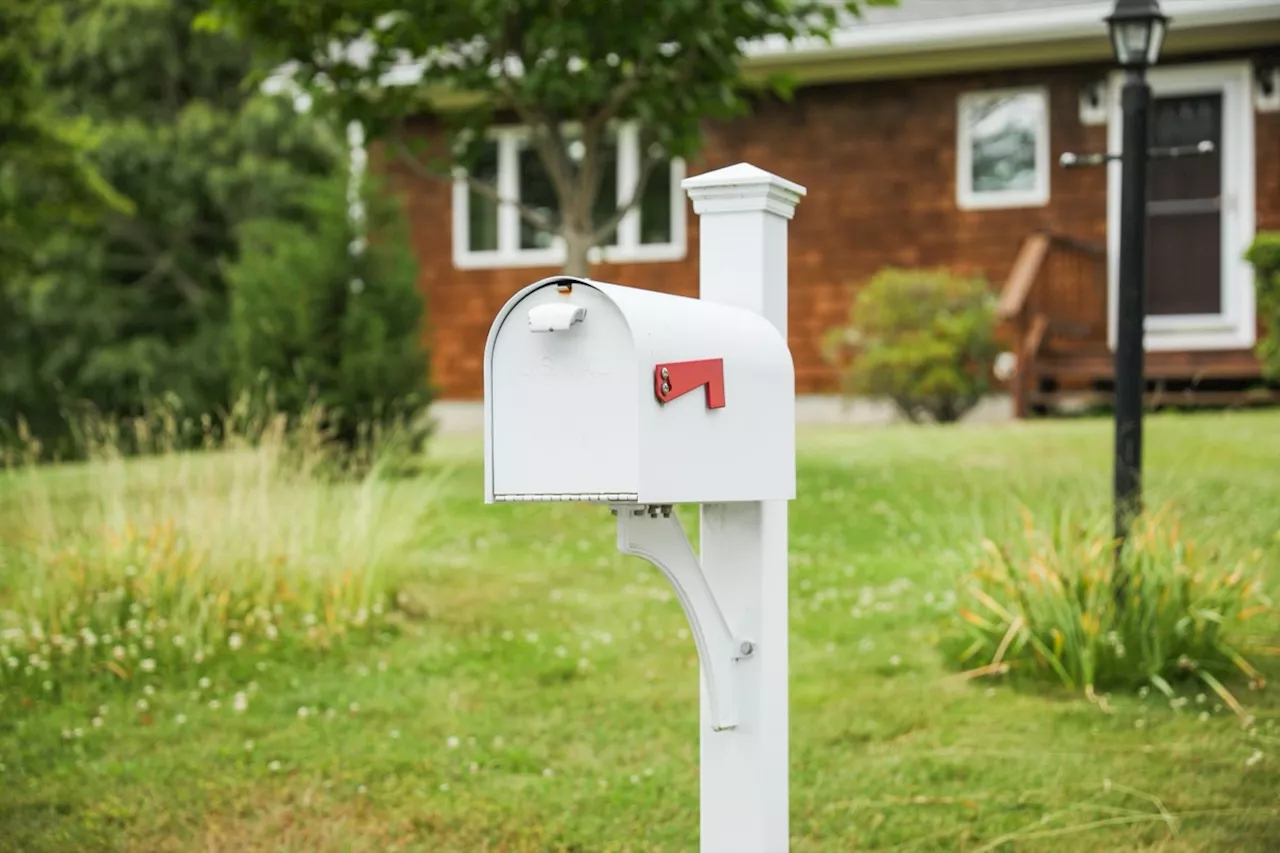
[148,665]
[214,704]
[474,768]
[1204,716]
[452,742]
[97,722]
[1253,759]
[102,710]
[248,746]
[497,742]
[395,734]
[361,789]
[634,779]
[142,705]
[148,642]
[205,683]
[561,651]
[303,712]
[178,640]
[118,653]
[548,772]
[198,657]
[149,690]
[181,719]
[272,633]
[48,686]
[274,766]
[508,636]
[382,666]
[234,642]
[240,702]
[354,707]
[78,732]
[12,662]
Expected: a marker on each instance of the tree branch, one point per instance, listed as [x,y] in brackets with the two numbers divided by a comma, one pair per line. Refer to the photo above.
[531,215]
[647,165]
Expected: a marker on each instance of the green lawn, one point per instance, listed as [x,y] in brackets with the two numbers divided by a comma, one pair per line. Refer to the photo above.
[542,694]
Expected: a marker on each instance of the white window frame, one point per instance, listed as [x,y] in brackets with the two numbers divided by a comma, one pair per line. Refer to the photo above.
[969,199]
[509,254]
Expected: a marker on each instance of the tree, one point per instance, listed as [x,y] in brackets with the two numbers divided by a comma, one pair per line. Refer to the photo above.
[129,306]
[566,69]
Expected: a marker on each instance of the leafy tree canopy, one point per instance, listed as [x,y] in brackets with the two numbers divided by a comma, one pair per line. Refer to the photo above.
[563,68]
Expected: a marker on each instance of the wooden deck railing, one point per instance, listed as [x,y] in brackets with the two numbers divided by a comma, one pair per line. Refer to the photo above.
[1056,290]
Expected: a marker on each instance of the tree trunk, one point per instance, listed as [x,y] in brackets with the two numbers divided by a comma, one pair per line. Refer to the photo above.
[576,250]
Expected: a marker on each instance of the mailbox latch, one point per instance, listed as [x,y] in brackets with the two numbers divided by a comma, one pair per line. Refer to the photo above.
[555,316]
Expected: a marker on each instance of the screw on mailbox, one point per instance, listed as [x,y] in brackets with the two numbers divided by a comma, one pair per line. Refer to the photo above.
[666,387]
[666,374]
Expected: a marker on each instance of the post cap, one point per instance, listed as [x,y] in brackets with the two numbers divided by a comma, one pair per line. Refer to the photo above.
[741,188]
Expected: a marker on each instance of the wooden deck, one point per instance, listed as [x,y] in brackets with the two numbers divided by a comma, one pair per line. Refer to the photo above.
[1055,306]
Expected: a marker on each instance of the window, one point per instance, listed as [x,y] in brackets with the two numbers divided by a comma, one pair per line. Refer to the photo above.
[488,234]
[1003,157]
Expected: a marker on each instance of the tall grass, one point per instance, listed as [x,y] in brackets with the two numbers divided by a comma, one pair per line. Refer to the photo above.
[1051,603]
[133,564]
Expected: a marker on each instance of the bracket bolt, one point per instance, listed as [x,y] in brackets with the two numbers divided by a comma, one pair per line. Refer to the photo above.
[747,648]
[666,374]
[666,387]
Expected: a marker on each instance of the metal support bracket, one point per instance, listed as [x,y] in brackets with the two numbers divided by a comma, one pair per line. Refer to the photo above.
[654,533]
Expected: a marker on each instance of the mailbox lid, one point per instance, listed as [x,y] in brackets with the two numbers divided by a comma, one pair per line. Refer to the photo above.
[560,397]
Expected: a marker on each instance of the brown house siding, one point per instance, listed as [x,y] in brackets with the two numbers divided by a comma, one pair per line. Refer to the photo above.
[878,159]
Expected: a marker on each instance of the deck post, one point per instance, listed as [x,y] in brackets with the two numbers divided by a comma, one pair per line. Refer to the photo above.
[745,787]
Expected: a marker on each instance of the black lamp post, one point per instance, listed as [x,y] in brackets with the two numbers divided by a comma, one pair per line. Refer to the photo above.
[1137,30]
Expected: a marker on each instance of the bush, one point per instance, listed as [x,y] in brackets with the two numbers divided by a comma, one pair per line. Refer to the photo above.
[1051,605]
[1264,254]
[319,317]
[923,338]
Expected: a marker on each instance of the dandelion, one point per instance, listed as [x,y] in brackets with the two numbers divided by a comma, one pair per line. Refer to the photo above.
[561,651]
[118,653]
[309,619]
[1139,724]
[274,766]
[497,742]
[635,779]
[361,789]
[97,722]
[66,734]
[1204,716]
[234,642]
[548,772]
[508,636]
[149,690]
[272,633]
[303,712]
[205,683]
[531,636]
[214,704]
[178,640]
[603,783]
[452,742]
[47,685]
[142,704]
[78,732]
[148,642]
[1201,699]
[240,702]
[181,719]
[248,746]
[382,666]
[444,786]
[895,660]
[354,707]
[395,734]
[198,657]
[12,662]
[148,665]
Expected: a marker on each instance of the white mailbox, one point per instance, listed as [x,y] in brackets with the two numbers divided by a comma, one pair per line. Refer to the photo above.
[598,392]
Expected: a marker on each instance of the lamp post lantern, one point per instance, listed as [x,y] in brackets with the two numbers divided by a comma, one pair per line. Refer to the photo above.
[1137,29]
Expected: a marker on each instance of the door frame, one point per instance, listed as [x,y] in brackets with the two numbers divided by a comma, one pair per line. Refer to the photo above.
[1235,327]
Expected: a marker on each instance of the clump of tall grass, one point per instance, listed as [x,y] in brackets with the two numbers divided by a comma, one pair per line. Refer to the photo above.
[1055,602]
[161,559]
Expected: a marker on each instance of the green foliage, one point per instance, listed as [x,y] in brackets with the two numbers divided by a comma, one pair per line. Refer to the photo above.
[669,64]
[1264,254]
[923,338]
[179,564]
[1052,604]
[119,310]
[322,316]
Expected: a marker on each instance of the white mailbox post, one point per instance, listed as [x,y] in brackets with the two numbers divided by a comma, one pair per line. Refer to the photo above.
[640,400]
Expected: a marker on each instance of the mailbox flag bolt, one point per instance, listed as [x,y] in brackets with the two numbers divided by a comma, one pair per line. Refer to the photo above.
[747,648]
[666,374]
[666,387]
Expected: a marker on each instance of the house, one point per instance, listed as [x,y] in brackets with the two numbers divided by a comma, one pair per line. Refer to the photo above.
[927,135]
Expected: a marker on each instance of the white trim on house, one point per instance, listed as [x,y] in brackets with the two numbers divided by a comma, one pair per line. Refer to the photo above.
[1236,326]
[967,198]
[1039,25]
[510,255]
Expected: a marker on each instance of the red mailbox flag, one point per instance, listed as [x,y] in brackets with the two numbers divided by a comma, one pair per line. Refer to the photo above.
[675,378]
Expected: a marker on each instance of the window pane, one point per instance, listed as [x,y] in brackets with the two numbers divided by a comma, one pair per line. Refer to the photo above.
[482,213]
[607,200]
[1002,136]
[536,191]
[655,206]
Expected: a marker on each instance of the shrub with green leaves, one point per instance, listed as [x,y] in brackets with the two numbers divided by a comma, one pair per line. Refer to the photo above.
[323,316]
[1264,254]
[1055,603]
[925,339]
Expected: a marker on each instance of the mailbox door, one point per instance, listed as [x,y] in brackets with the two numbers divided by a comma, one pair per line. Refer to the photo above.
[563,404]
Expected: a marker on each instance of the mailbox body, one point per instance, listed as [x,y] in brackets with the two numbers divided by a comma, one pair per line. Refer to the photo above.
[572,412]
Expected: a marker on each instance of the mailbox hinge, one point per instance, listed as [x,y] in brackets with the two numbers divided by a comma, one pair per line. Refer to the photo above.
[654,533]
